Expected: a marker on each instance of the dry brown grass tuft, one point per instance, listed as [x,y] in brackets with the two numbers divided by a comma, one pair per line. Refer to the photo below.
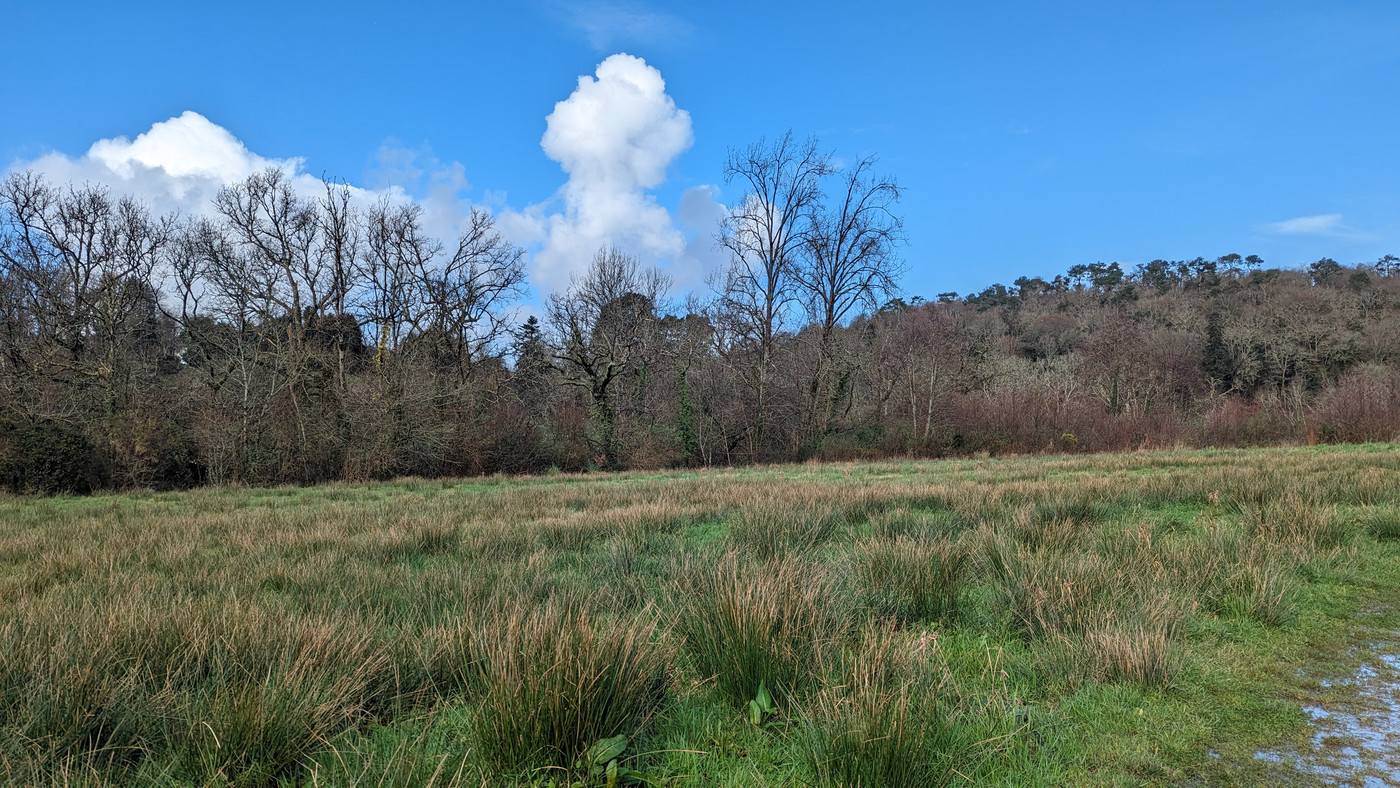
[1139,653]
[556,678]
[745,623]
[882,722]
[913,580]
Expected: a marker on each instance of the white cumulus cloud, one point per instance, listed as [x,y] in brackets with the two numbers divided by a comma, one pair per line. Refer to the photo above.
[178,163]
[181,163]
[614,137]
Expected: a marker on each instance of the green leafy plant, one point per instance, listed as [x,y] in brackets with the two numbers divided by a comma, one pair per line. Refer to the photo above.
[762,712]
[602,764]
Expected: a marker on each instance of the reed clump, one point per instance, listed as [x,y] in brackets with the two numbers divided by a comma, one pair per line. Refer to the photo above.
[882,720]
[746,623]
[556,678]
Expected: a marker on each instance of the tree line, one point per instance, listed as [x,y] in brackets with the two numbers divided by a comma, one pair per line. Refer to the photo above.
[292,338]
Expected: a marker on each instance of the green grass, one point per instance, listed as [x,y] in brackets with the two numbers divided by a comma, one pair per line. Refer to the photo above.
[1119,619]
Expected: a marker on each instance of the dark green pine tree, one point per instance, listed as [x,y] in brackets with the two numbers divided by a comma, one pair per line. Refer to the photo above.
[533,363]
[1216,357]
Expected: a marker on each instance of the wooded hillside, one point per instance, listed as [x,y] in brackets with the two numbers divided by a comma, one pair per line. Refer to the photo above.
[295,339]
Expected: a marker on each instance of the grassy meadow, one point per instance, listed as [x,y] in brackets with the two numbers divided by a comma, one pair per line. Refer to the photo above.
[1120,619]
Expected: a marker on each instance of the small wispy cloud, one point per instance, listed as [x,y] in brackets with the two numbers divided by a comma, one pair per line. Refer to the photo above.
[1319,224]
[610,24]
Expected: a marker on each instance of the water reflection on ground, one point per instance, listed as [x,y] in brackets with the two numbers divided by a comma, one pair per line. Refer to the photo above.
[1355,742]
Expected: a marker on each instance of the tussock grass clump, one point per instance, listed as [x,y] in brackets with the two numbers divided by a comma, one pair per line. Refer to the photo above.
[882,723]
[237,694]
[555,679]
[1138,654]
[746,623]
[1072,506]
[579,529]
[432,663]
[1293,520]
[919,524]
[1105,616]
[1046,593]
[1230,570]
[928,499]
[411,539]
[1141,651]
[865,505]
[1383,522]
[501,540]
[1042,529]
[913,580]
[1263,588]
[260,728]
[769,530]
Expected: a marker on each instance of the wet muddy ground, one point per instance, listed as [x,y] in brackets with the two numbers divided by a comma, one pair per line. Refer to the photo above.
[1354,715]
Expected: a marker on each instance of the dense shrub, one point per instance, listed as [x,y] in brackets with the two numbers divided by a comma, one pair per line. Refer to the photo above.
[44,457]
[1364,406]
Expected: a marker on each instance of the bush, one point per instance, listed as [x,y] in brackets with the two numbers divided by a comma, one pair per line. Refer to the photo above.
[44,457]
[1364,406]
[148,451]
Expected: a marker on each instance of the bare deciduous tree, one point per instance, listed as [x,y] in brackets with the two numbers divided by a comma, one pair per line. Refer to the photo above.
[851,262]
[603,324]
[82,263]
[461,296]
[766,235]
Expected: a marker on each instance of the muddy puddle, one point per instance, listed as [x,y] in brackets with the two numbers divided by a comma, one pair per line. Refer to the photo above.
[1355,720]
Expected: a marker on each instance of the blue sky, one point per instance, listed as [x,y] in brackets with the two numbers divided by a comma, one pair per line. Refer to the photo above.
[1029,136]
